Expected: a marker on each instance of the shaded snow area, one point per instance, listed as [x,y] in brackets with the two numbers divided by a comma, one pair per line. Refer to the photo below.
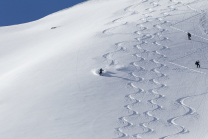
[150,88]
[204,23]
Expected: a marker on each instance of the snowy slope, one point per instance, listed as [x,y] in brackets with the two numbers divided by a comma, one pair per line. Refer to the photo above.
[150,89]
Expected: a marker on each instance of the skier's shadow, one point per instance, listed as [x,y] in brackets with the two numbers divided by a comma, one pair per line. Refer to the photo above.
[109,74]
[204,68]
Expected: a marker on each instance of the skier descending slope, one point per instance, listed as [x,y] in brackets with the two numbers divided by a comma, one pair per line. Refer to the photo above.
[101,71]
[189,36]
[197,64]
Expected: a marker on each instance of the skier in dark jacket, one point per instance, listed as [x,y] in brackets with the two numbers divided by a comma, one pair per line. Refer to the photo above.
[189,36]
[197,64]
[101,71]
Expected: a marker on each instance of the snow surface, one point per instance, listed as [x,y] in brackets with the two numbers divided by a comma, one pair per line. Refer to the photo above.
[150,89]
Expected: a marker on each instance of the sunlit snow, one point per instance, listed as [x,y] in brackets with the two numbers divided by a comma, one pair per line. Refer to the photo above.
[150,88]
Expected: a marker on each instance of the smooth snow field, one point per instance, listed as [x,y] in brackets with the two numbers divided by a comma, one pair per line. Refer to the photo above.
[150,88]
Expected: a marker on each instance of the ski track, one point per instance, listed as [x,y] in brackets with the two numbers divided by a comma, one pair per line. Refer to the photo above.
[152,59]
[133,100]
[189,111]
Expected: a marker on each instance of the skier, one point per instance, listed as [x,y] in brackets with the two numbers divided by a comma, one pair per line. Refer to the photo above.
[189,36]
[197,64]
[101,71]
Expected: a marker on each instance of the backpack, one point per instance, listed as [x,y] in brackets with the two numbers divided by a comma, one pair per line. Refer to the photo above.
[189,34]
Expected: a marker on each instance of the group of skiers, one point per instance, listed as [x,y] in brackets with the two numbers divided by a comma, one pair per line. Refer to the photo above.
[197,63]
